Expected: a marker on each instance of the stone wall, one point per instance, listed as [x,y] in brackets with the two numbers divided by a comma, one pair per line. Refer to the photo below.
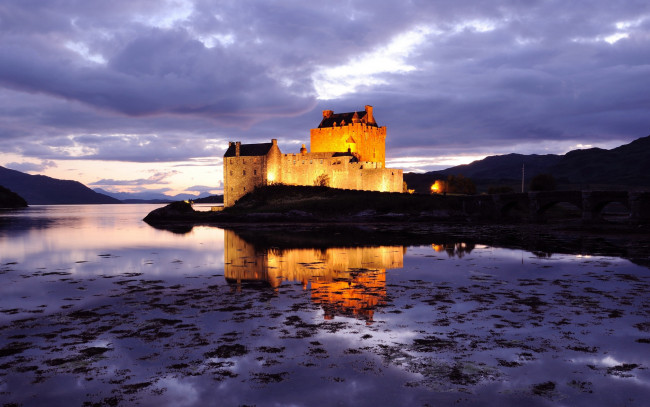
[242,174]
[369,141]
[304,169]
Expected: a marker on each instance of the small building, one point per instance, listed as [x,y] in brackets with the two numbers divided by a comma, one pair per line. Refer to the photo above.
[348,151]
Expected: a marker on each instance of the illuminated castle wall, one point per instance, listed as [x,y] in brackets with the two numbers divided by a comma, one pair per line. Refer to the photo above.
[349,149]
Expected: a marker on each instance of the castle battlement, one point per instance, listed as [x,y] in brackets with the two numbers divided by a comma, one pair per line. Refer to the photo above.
[347,151]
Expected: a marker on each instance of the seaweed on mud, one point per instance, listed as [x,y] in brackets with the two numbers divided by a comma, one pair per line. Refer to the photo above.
[431,344]
[270,349]
[266,378]
[622,370]
[506,363]
[135,387]
[14,348]
[227,351]
[545,389]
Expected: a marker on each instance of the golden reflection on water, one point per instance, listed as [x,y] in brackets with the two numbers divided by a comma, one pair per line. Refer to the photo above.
[343,280]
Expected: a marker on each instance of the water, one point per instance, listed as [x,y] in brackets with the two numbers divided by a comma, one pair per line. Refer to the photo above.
[99,308]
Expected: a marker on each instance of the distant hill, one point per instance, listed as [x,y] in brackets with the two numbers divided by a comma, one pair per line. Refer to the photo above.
[43,190]
[10,199]
[151,197]
[624,167]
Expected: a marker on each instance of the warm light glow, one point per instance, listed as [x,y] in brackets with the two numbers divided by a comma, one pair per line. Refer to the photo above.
[438,187]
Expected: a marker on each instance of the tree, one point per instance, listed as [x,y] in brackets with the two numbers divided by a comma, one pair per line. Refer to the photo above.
[322,180]
[458,184]
[543,182]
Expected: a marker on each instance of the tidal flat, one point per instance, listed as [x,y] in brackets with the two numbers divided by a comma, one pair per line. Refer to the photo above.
[98,308]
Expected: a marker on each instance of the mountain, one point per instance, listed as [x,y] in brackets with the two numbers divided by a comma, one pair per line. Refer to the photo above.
[624,167]
[43,190]
[153,197]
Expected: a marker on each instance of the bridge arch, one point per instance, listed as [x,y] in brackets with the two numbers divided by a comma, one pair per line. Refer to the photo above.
[596,201]
[512,205]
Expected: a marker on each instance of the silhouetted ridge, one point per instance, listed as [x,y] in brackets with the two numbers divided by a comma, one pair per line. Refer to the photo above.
[624,167]
[43,190]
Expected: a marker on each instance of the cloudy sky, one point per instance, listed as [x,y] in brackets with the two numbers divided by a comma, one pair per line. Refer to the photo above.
[129,95]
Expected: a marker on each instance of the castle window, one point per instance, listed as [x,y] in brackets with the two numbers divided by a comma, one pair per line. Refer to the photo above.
[254,172]
[230,172]
[244,172]
[244,188]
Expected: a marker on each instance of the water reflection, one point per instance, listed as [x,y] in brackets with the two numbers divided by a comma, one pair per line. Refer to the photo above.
[101,309]
[454,249]
[347,281]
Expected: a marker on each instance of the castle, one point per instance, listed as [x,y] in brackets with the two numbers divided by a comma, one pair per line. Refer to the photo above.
[348,151]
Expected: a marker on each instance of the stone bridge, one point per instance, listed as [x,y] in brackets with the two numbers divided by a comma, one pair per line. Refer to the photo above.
[533,205]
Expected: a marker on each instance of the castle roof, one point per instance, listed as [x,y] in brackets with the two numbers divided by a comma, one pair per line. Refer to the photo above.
[248,150]
[346,118]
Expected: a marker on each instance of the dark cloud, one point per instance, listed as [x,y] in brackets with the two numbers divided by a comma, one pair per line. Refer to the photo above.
[161,81]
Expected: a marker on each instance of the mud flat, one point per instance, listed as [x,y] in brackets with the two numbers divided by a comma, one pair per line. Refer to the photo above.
[316,314]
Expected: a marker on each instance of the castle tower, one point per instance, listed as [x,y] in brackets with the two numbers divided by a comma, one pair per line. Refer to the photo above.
[357,132]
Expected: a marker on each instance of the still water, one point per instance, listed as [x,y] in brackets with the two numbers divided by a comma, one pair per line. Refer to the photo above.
[99,308]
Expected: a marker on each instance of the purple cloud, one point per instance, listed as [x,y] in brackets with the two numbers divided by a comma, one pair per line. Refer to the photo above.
[136,81]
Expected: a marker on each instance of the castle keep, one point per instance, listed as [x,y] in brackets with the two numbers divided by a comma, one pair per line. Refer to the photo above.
[348,151]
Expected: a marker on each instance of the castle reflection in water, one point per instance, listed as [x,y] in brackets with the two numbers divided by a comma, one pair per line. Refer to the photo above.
[345,281]
[348,281]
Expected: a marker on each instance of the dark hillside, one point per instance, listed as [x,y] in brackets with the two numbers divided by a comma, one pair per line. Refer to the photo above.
[42,190]
[9,199]
[624,167]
